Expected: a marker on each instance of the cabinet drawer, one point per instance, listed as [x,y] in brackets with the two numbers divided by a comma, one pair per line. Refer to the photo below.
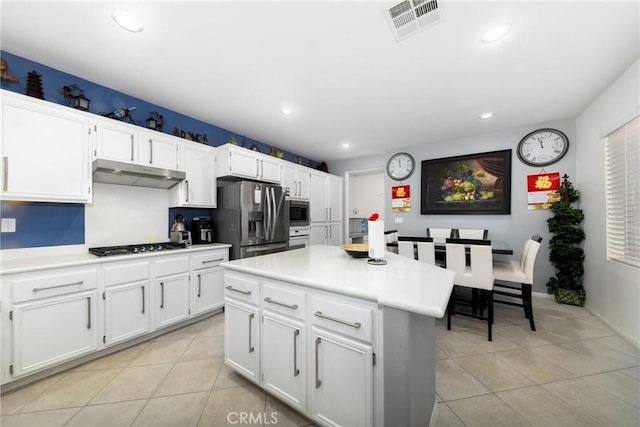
[243,288]
[171,265]
[278,298]
[210,259]
[53,282]
[117,273]
[348,319]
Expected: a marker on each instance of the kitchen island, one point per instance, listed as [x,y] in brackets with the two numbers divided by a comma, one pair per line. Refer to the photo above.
[340,340]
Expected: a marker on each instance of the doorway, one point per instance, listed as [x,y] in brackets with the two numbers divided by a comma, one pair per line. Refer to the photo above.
[364,195]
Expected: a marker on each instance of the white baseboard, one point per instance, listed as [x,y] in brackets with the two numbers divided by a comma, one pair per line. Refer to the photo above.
[617,330]
[434,414]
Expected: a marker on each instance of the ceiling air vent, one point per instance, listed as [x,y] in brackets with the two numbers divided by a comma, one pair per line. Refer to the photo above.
[410,16]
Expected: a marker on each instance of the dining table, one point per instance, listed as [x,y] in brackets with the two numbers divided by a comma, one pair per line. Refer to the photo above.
[498,247]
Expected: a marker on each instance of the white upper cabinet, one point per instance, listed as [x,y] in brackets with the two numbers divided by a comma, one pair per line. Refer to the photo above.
[116,141]
[198,189]
[297,180]
[158,150]
[45,151]
[238,161]
[128,143]
[325,199]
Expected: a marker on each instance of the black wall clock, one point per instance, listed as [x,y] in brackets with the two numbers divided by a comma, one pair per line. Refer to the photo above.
[543,147]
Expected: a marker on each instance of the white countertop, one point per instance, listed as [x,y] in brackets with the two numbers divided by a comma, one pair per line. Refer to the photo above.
[402,283]
[59,259]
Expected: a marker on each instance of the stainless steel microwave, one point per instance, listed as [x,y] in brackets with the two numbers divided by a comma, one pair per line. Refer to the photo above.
[298,212]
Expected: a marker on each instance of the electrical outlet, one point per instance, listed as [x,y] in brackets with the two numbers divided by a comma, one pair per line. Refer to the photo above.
[8,225]
[397,220]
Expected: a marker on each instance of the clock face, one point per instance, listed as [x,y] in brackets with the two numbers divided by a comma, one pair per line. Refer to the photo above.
[400,166]
[543,147]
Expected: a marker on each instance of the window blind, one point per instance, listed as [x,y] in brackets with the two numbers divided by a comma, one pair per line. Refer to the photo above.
[622,174]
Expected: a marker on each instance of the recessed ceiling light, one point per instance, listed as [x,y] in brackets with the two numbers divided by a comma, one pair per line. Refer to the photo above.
[496,33]
[287,111]
[345,145]
[487,115]
[127,21]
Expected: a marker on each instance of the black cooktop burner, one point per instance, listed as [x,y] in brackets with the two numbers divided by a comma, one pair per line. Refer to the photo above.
[136,249]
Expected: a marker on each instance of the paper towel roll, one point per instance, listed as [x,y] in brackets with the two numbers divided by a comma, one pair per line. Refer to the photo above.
[377,244]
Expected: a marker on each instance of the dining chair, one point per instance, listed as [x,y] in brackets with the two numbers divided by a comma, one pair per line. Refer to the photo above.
[426,250]
[520,276]
[471,233]
[440,233]
[478,276]
[391,237]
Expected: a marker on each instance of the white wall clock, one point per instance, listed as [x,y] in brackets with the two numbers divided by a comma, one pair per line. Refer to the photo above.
[400,166]
[543,147]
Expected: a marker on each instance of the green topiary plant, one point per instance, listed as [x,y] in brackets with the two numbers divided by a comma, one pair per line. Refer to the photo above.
[565,252]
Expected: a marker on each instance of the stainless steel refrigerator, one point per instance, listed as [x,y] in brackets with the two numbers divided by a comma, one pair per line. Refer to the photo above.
[253,217]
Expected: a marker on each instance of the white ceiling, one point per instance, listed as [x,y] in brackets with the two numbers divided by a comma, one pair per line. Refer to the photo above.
[235,64]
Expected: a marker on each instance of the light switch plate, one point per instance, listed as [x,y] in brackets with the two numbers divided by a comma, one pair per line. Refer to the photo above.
[8,225]
[397,220]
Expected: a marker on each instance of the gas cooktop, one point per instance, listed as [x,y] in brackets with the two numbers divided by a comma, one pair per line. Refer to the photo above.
[136,249]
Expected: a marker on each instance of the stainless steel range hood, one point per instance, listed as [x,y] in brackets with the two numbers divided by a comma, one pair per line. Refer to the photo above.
[112,172]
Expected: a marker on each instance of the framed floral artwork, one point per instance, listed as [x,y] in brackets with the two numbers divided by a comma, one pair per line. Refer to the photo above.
[474,184]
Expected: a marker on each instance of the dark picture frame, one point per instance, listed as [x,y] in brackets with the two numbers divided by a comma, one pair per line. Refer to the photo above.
[474,184]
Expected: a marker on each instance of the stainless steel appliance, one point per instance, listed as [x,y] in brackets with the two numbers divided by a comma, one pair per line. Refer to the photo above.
[179,233]
[299,237]
[298,212]
[201,231]
[253,217]
[135,249]
[112,172]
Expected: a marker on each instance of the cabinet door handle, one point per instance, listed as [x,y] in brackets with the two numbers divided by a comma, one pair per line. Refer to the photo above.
[88,312]
[291,306]
[326,214]
[187,182]
[199,285]
[355,325]
[257,167]
[238,290]
[251,315]
[330,213]
[79,282]
[143,304]
[261,168]
[161,294]
[5,177]
[318,382]
[132,148]
[150,152]
[213,260]
[296,371]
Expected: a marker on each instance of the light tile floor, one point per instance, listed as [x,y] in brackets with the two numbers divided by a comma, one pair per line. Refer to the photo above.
[574,371]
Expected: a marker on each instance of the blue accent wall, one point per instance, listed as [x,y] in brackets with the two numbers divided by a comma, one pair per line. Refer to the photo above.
[51,224]
[43,224]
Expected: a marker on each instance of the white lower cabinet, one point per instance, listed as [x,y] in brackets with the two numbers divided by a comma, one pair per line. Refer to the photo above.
[171,289]
[53,316]
[341,390]
[326,234]
[52,319]
[53,330]
[126,301]
[241,338]
[208,281]
[284,358]
[126,311]
[316,352]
